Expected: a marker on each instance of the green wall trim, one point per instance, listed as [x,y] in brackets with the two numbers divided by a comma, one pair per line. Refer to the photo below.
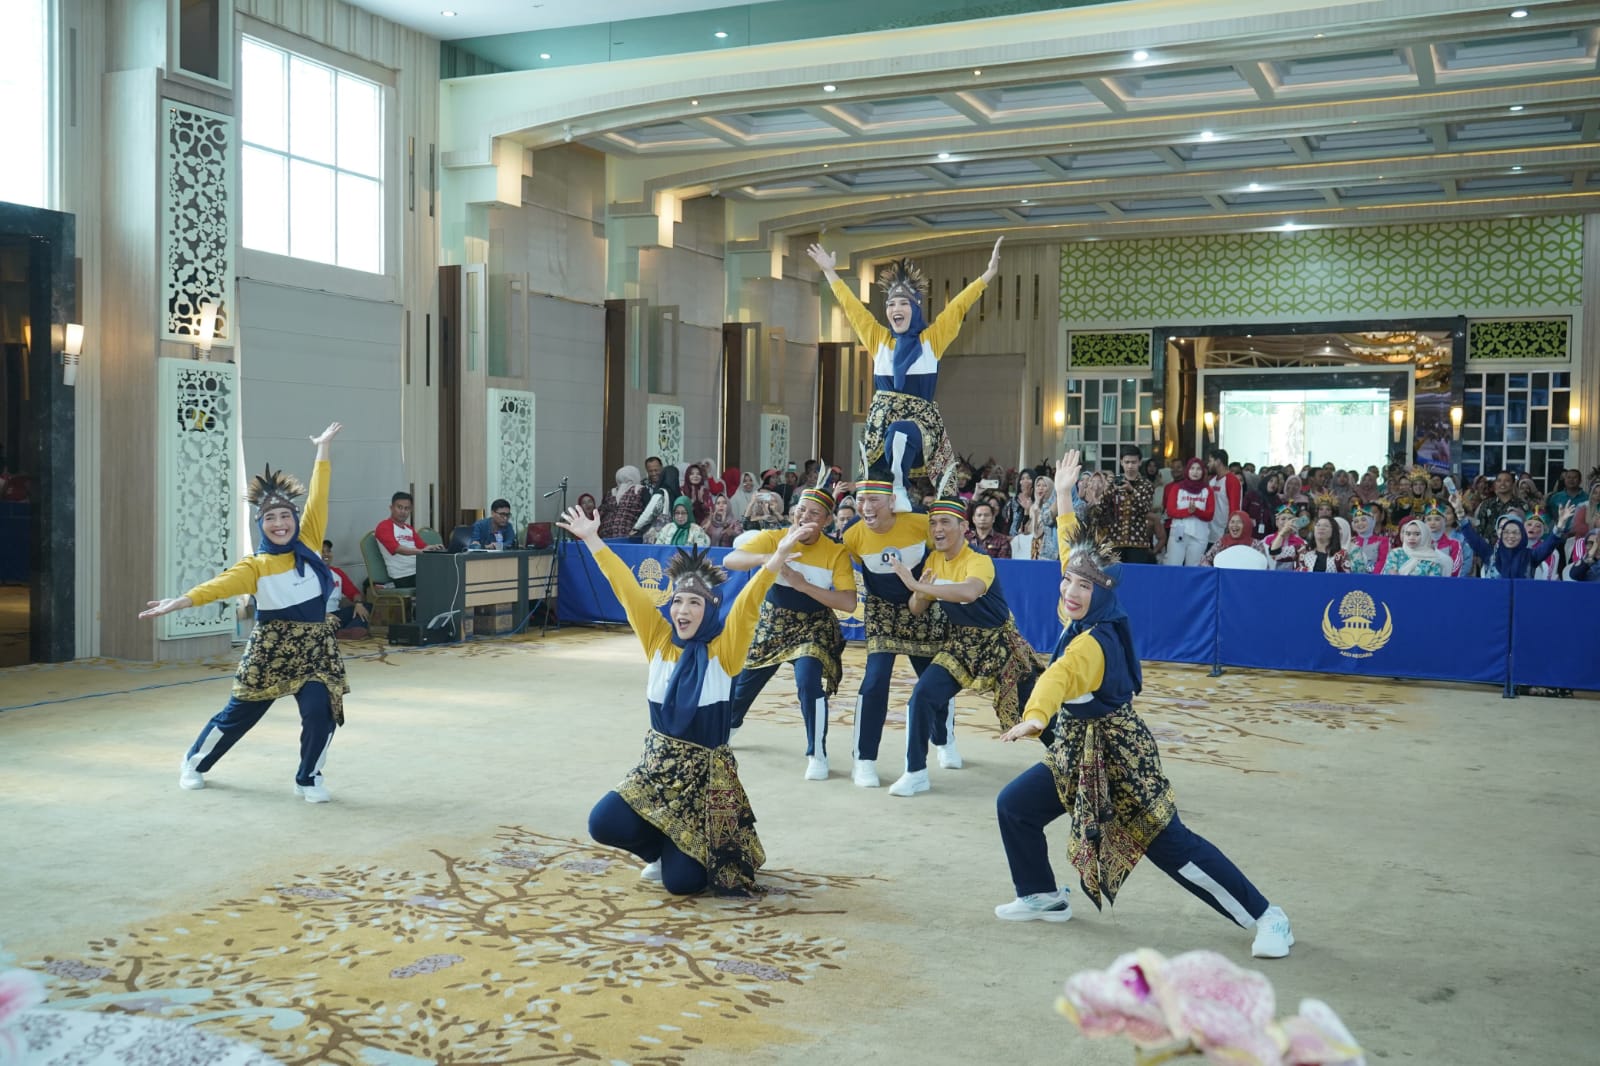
[1108,349]
[1533,263]
[1520,338]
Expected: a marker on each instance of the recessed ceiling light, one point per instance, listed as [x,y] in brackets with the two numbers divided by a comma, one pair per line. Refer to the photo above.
[448,14]
[1517,167]
[830,88]
[1207,135]
[1027,201]
[1520,13]
[1321,35]
[1288,225]
[977,74]
[694,103]
[544,55]
[1254,186]
[1515,107]
[1140,56]
[944,155]
[824,166]
[720,34]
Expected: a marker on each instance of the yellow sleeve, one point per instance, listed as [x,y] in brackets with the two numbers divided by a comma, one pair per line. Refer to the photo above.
[944,329]
[1081,669]
[980,566]
[1066,529]
[844,575]
[873,334]
[732,645]
[314,520]
[643,615]
[238,580]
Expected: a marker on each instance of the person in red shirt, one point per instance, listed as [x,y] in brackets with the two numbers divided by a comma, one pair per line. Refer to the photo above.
[1228,490]
[400,544]
[1190,504]
[345,604]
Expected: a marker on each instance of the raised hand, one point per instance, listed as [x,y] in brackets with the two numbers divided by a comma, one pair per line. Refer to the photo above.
[785,552]
[328,434]
[822,257]
[1067,473]
[1568,513]
[994,261]
[580,525]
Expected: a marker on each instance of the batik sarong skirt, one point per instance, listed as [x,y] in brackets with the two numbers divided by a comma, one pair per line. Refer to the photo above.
[889,407]
[891,627]
[282,656]
[994,660]
[783,635]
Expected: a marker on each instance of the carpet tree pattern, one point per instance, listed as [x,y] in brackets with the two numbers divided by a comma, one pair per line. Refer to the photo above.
[533,949]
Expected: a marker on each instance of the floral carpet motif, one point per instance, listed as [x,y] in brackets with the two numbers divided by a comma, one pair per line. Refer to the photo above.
[1194,717]
[534,949]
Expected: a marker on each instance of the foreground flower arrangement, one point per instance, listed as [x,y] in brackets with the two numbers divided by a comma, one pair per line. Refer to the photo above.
[1200,1004]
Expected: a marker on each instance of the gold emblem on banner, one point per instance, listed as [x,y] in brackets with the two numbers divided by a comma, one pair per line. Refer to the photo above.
[1355,637]
[654,581]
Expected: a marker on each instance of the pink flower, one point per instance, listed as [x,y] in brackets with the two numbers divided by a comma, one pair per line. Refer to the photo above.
[1316,1037]
[1225,1011]
[1118,1001]
[19,991]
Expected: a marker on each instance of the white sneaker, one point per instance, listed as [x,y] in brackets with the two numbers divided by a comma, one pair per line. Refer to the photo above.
[816,767]
[1274,938]
[865,774]
[315,793]
[911,782]
[189,777]
[949,757]
[1039,907]
[651,872]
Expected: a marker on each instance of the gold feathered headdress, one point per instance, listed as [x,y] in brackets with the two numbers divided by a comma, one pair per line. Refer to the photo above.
[691,570]
[1089,557]
[274,488]
[903,278]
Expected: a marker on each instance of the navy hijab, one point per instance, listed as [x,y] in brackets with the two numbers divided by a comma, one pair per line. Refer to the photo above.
[303,555]
[682,700]
[1110,624]
[908,346]
[1512,562]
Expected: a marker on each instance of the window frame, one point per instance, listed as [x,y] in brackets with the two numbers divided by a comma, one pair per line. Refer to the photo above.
[286,270]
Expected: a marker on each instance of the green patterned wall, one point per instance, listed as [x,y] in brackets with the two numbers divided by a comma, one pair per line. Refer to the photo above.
[1108,349]
[1519,338]
[1332,273]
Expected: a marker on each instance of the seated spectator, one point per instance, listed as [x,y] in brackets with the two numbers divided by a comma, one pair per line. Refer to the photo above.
[1283,546]
[1437,519]
[1586,563]
[657,511]
[982,535]
[720,526]
[400,544]
[1369,548]
[1512,556]
[622,506]
[766,512]
[1490,511]
[1238,534]
[681,529]
[589,509]
[1018,515]
[1324,554]
[1549,569]
[1415,555]
[494,532]
[345,605]
[698,490]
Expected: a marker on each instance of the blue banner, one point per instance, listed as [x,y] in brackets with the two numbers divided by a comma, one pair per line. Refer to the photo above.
[1552,634]
[1442,629]
[1173,611]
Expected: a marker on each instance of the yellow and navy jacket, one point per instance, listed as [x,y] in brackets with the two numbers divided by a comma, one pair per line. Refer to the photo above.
[824,564]
[988,611]
[908,538]
[281,594]
[923,374]
[725,653]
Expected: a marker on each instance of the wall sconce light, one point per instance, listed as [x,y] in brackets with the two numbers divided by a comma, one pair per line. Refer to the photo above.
[208,327]
[71,352]
[1399,417]
[1572,416]
[1060,417]
[1210,419]
[1455,423]
[1155,422]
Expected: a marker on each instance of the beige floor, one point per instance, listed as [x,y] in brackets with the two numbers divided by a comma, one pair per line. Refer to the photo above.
[1436,847]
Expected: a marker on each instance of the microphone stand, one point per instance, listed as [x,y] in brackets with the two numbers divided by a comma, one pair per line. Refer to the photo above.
[552,576]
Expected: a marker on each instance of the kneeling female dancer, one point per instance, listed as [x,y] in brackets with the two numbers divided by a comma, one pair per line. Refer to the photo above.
[1102,767]
[682,809]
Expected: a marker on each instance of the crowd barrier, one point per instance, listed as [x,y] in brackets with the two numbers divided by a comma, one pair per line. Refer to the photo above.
[1438,629]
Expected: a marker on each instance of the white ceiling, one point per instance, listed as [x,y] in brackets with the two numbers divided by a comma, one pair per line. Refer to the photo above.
[484,18]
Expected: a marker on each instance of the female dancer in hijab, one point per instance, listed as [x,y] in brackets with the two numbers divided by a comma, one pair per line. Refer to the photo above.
[1415,554]
[682,809]
[1101,766]
[682,531]
[1437,519]
[905,431]
[292,651]
[1369,548]
[1511,556]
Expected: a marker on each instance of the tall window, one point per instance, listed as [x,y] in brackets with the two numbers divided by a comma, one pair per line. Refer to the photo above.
[312,160]
[24,120]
